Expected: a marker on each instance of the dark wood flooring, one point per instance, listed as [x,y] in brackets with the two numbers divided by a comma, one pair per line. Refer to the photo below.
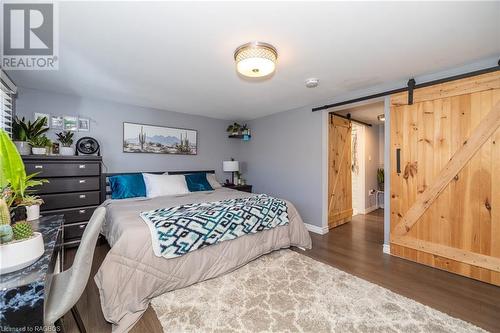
[356,248]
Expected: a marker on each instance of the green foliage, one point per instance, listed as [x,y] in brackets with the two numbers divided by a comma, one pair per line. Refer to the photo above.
[13,175]
[26,131]
[233,128]
[65,138]
[22,230]
[4,213]
[6,233]
[380,175]
[31,200]
[40,141]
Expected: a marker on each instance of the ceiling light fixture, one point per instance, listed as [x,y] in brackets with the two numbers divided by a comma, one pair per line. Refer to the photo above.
[381,117]
[255,59]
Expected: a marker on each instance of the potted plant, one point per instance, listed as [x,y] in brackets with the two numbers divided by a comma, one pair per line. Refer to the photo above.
[245,130]
[19,245]
[380,179]
[66,140]
[32,204]
[234,129]
[23,132]
[40,144]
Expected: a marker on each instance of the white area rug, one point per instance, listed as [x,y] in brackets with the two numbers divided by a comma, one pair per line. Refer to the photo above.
[289,292]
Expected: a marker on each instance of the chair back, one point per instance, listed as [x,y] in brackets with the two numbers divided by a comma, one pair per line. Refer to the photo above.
[69,285]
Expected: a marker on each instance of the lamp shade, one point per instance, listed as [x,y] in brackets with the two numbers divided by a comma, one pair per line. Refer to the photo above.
[231,166]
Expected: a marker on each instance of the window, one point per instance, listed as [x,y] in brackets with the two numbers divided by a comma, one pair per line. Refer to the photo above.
[7,91]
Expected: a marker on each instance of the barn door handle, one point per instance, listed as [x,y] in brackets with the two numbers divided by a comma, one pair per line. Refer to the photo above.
[398,160]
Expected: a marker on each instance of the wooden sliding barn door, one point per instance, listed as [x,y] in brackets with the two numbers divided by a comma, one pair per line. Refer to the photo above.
[445,196]
[339,172]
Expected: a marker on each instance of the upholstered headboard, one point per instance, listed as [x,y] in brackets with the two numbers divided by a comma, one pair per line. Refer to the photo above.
[106,191]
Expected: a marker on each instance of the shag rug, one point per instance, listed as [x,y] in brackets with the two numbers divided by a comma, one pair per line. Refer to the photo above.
[288,292]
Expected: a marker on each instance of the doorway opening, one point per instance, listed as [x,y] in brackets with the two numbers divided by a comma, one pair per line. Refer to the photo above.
[356,163]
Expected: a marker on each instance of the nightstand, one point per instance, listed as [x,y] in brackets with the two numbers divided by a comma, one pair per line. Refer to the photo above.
[243,188]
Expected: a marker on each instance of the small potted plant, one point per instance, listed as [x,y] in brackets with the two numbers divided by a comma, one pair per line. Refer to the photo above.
[19,245]
[66,140]
[32,204]
[40,144]
[23,132]
[234,129]
[380,179]
[245,130]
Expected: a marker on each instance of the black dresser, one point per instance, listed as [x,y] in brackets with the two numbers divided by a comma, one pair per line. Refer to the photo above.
[73,190]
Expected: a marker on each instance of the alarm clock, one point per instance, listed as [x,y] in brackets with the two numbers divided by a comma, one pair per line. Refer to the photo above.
[87,146]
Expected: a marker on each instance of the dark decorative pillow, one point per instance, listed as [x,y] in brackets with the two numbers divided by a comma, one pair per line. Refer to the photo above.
[127,186]
[198,182]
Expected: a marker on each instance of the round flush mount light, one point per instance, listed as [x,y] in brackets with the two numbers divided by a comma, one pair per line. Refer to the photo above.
[255,59]
[312,82]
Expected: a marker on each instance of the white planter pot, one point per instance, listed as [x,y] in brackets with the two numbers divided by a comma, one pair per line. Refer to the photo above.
[23,147]
[17,255]
[67,151]
[32,212]
[39,150]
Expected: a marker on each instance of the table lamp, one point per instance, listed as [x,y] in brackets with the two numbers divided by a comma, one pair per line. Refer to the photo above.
[231,166]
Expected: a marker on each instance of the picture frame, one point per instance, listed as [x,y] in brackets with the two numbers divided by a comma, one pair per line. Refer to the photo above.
[57,123]
[70,123]
[37,115]
[154,139]
[83,124]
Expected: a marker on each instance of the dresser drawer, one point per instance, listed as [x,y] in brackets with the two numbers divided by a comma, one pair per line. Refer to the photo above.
[73,231]
[73,215]
[68,200]
[70,184]
[48,169]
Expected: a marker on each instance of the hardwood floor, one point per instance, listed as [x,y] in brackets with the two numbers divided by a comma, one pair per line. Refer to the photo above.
[356,248]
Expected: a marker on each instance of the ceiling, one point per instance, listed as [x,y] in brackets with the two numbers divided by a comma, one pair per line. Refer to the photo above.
[178,56]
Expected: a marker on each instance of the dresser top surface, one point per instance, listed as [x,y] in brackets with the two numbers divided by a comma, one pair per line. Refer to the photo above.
[61,158]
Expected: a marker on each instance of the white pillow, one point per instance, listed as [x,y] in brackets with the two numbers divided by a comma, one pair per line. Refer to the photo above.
[212,180]
[159,185]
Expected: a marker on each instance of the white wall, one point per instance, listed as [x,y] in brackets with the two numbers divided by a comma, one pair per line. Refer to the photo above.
[371,163]
[107,127]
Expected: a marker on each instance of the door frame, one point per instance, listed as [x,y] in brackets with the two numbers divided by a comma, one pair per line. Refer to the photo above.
[387,166]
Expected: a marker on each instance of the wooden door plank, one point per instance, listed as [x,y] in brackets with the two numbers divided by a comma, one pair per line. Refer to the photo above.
[465,256]
[488,81]
[481,133]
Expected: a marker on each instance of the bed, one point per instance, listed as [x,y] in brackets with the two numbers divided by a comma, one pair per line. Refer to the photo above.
[131,275]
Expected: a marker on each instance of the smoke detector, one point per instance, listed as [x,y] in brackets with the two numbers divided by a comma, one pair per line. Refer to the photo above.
[312,83]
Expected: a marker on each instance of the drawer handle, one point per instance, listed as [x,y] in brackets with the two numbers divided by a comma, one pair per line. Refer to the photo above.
[82,211]
[82,196]
[82,181]
[38,166]
[82,166]
[82,226]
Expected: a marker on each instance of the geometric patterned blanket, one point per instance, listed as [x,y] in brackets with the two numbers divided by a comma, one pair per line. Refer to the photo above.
[178,230]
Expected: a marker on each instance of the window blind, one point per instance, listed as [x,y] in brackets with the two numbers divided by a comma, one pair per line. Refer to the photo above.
[6,106]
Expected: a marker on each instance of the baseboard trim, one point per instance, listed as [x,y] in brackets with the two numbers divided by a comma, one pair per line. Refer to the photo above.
[370,209]
[386,248]
[316,229]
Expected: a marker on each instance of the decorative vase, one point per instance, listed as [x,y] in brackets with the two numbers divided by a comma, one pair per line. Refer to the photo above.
[19,254]
[67,151]
[23,147]
[32,212]
[39,150]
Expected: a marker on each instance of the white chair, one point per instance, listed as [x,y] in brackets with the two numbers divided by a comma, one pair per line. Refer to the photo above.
[68,286]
